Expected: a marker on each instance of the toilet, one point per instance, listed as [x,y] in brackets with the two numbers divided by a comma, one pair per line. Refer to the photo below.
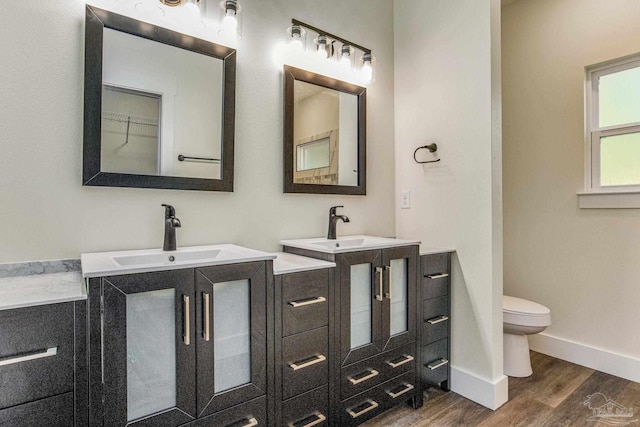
[521,318]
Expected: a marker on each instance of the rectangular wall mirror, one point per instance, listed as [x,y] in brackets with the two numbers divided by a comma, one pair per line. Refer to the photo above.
[324,134]
[159,107]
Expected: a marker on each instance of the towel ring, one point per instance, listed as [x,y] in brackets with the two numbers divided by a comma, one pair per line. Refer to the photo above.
[432,149]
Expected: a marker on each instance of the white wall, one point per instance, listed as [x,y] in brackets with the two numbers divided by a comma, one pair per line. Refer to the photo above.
[447,90]
[47,214]
[581,263]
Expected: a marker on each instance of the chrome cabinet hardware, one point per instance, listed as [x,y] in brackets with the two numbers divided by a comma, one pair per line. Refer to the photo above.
[407,388]
[437,363]
[437,276]
[405,359]
[388,293]
[372,404]
[372,373]
[379,270]
[206,333]
[25,357]
[436,320]
[318,418]
[309,301]
[250,422]
[307,362]
[186,336]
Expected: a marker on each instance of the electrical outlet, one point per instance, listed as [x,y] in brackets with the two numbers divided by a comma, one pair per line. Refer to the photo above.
[405,199]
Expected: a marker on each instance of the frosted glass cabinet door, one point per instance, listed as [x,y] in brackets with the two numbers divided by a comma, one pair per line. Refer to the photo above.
[399,307]
[398,296]
[361,305]
[231,322]
[149,362]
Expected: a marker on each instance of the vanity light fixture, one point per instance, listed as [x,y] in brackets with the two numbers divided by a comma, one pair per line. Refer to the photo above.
[296,39]
[324,48]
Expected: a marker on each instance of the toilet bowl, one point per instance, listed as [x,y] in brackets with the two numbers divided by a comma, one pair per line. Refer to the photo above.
[521,318]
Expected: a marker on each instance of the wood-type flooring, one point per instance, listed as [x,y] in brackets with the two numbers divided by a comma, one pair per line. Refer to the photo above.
[556,395]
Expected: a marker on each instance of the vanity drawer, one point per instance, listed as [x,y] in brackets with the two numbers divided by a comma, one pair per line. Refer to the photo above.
[305,361]
[435,325]
[252,413]
[36,353]
[308,409]
[305,301]
[435,275]
[435,362]
[367,405]
[54,411]
[363,375]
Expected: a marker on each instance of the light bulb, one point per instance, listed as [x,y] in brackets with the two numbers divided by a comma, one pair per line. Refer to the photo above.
[191,10]
[322,47]
[295,38]
[366,72]
[229,22]
[345,59]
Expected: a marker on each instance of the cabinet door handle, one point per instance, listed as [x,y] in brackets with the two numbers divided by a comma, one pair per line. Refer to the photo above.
[437,363]
[32,355]
[248,422]
[372,405]
[437,276]
[395,362]
[206,333]
[388,293]
[379,270]
[318,418]
[307,362]
[407,388]
[309,301]
[186,336]
[372,373]
[436,320]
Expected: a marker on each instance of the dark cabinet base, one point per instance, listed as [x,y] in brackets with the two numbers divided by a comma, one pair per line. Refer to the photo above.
[54,411]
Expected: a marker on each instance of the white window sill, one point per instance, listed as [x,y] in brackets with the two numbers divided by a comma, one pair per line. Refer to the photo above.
[609,200]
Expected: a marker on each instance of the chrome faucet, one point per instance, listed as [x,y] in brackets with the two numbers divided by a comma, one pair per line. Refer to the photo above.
[170,225]
[333,219]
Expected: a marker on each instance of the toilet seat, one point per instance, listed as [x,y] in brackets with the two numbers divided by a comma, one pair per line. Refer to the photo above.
[518,311]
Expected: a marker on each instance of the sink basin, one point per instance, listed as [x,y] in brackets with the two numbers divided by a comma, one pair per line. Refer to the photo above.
[146,260]
[347,244]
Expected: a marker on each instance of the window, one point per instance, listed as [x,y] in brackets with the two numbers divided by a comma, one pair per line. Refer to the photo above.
[613,127]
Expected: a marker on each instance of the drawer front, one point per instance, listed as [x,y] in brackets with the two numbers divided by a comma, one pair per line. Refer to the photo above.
[305,362]
[249,414]
[36,353]
[435,325]
[373,402]
[54,411]
[435,362]
[435,275]
[305,301]
[307,410]
[368,373]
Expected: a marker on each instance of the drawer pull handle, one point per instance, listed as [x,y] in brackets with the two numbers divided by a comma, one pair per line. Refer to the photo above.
[372,404]
[407,388]
[186,336]
[436,364]
[437,276]
[372,373]
[249,422]
[206,334]
[39,354]
[380,272]
[436,320]
[307,362]
[405,359]
[302,303]
[318,418]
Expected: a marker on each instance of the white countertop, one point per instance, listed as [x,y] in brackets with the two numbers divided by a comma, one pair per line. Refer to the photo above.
[40,289]
[344,244]
[427,250]
[289,263]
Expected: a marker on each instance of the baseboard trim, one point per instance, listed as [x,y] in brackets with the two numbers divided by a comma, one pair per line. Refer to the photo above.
[592,357]
[489,394]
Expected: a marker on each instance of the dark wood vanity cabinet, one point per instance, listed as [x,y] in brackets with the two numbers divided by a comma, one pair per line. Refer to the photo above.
[174,347]
[304,347]
[435,324]
[38,380]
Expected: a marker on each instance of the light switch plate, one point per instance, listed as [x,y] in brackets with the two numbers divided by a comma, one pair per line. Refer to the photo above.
[405,199]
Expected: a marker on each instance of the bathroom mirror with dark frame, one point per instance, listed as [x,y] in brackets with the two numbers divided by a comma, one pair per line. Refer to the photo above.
[324,134]
[182,143]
